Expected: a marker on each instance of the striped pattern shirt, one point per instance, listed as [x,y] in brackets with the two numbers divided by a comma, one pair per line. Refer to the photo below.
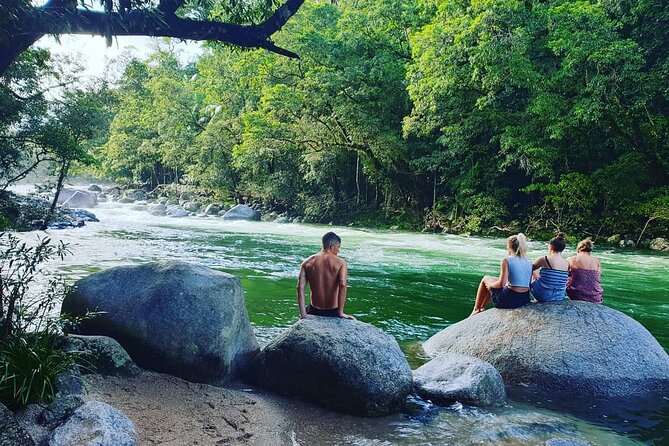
[553,279]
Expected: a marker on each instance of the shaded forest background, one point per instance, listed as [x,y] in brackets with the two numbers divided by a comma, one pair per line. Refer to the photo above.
[457,115]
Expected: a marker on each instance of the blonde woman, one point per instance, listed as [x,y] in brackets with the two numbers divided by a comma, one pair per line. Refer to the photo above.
[585,277]
[512,288]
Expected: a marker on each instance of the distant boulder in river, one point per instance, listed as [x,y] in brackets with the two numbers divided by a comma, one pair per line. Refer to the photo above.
[567,348]
[340,364]
[75,198]
[172,317]
[242,212]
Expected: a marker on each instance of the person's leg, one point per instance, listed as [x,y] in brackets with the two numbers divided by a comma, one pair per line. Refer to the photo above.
[482,294]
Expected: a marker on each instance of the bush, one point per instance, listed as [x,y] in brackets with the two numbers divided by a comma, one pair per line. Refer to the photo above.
[31,364]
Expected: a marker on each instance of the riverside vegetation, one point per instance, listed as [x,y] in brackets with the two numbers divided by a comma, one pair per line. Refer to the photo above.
[458,116]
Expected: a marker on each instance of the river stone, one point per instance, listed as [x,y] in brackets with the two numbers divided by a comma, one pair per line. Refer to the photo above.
[79,199]
[242,212]
[135,194]
[95,424]
[340,364]
[569,347]
[101,354]
[172,317]
[659,244]
[177,212]
[11,433]
[191,206]
[94,188]
[212,209]
[452,377]
[126,200]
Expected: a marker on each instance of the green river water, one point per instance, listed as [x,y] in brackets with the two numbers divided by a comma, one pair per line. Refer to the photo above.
[408,284]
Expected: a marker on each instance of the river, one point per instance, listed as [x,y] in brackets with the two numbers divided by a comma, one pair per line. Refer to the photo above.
[410,285]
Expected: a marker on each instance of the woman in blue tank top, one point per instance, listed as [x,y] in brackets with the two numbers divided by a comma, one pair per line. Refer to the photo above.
[512,288]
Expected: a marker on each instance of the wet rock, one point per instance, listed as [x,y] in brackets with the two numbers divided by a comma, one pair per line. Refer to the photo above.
[11,433]
[340,364]
[78,199]
[95,424]
[136,194]
[242,212]
[139,207]
[177,212]
[614,239]
[171,317]
[113,191]
[453,377]
[191,206]
[212,209]
[568,348]
[126,200]
[94,188]
[659,244]
[101,354]
[627,244]
[282,219]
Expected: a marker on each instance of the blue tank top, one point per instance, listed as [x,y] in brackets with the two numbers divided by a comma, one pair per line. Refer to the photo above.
[520,271]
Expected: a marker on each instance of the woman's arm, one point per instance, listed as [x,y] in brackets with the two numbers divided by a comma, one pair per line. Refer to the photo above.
[503,276]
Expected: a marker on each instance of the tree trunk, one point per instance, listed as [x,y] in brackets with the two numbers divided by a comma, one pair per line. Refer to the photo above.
[59,186]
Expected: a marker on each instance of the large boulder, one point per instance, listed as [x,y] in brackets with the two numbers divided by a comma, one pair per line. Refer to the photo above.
[77,198]
[572,348]
[171,317]
[95,424]
[453,377]
[344,365]
[242,212]
[11,433]
[659,244]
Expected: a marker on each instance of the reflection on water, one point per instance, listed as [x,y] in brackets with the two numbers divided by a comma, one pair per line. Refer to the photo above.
[410,285]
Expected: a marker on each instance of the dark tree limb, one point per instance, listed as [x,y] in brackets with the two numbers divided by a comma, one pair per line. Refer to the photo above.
[55,18]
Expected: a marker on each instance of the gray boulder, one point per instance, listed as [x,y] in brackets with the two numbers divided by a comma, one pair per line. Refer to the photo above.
[95,424]
[11,433]
[94,188]
[659,244]
[136,194]
[60,409]
[112,191]
[570,348]
[126,200]
[340,364]
[242,212]
[101,354]
[212,209]
[452,377]
[79,199]
[191,206]
[171,317]
[177,212]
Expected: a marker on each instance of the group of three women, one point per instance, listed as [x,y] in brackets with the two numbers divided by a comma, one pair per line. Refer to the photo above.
[547,279]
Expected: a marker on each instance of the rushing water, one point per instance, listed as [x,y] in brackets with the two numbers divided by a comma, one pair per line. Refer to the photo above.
[410,285]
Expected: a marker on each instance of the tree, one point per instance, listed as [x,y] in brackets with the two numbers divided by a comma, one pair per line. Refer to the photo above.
[22,23]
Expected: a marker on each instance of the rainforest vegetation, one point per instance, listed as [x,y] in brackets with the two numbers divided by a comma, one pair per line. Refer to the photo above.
[458,115]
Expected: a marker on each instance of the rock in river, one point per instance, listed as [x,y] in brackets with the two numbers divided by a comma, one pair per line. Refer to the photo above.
[570,348]
[171,317]
[452,377]
[344,365]
[242,212]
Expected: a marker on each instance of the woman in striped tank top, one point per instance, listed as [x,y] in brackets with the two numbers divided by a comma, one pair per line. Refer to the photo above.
[551,282]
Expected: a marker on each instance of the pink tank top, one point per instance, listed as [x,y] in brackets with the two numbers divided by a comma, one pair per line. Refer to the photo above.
[584,284]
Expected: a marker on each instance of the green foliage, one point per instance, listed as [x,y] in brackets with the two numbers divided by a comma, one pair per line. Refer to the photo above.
[30,365]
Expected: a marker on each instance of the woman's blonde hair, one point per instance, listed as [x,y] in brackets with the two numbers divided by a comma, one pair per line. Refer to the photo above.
[584,245]
[518,244]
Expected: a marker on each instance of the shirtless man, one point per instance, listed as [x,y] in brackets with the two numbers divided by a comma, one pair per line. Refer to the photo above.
[326,275]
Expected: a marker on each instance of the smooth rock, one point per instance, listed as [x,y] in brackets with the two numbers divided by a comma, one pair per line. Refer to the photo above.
[660,244]
[191,206]
[135,194]
[79,199]
[568,347]
[94,188]
[242,212]
[452,377]
[101,354]
[11,433]
[126,200]
[212,209]
[171,317]
[340,364]
[177,213]
[157,207]
[95,424]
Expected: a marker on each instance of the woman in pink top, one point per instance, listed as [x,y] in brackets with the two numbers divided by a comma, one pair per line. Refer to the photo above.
[585,277]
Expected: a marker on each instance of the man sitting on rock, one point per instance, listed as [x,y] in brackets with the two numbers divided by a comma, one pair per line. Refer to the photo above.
[326,275]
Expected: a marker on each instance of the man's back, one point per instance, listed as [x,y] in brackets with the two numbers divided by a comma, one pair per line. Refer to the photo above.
[324,274]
